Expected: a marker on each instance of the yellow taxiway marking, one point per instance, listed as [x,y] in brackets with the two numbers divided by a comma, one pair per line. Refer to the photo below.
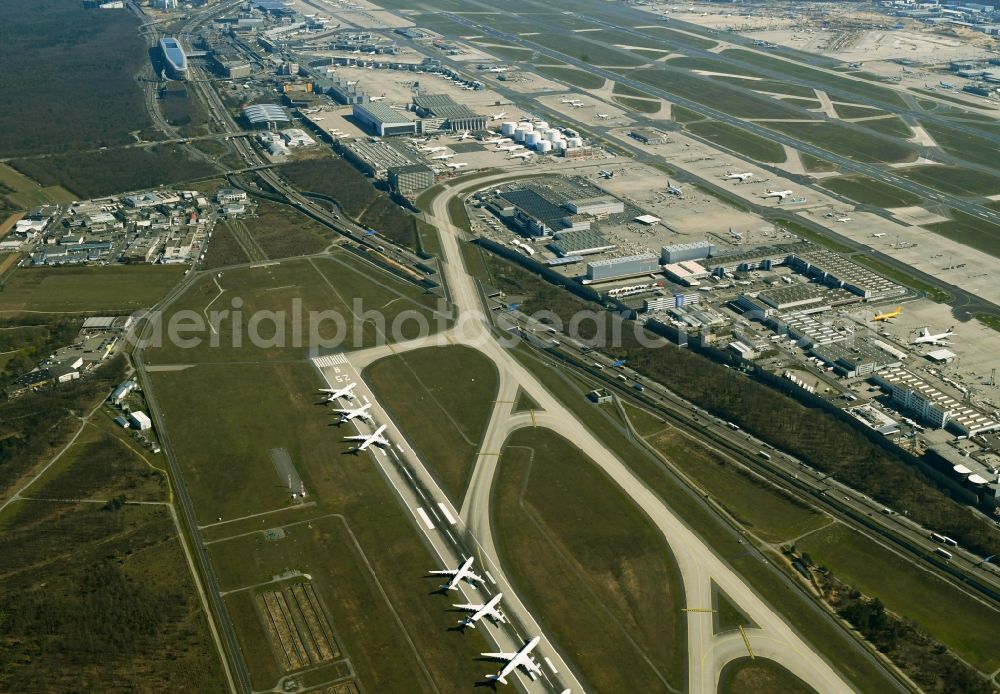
[697,609]
[747,642]
[488,454]
[533,418]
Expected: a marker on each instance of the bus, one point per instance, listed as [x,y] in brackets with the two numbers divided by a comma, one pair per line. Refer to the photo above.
[732,426]
[943,552]
[765,456]
[944,539]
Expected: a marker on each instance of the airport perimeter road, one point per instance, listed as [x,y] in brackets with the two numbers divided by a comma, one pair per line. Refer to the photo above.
[699,565]
[846,164]
[450,540]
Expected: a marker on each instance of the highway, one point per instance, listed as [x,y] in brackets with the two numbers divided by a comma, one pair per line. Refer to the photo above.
[845,164]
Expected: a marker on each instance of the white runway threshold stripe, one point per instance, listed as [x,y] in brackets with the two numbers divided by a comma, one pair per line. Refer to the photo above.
[444,510]
[551,666]
[330,360]
[425,518]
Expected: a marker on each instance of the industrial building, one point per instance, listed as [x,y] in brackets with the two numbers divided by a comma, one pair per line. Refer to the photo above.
[441,112]
[140,421]
[679,252]
[837,271]
[596,207]
[647,136]
[534,213]
[265,114]
[376,158]
[580,242]
[174,58]
[858,357]
[384,120]
[686,272]
[619,268]
[938,409]
[410,179]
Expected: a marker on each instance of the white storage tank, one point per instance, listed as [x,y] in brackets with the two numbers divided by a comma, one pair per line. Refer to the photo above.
[574,142]
[542,125]
[553,135]
[544,146]
[507,129]
[532,139]
[559,145]
[519,134]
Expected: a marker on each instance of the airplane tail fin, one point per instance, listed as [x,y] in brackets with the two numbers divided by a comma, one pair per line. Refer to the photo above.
[496,678]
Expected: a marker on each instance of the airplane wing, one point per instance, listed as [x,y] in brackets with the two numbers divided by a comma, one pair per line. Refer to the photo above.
[359,437]
[443,572]
[473,608]
[509,657]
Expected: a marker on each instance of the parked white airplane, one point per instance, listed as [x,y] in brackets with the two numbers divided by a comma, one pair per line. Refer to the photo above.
[878,236]
[456,165]
[351,84]
[925,337]
[606,173]
[843,220]
[431,150]
[674,190]
[741,176]
[498,116]
[521,155]
[780,194]
[464,571]
[376,98]
[509,148]
[375,438]
[337,393]
[442,157]
[602,116]
[514,660]
[461,138]
[479,611]
[496,141]
[418,140]
[347,415]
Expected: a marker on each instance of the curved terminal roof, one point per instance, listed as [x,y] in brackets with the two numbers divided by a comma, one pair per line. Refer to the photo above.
[962,470]
[977,479]
[265,113]
[173,52]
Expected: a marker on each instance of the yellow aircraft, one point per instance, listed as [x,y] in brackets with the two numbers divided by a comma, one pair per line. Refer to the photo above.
[888,316]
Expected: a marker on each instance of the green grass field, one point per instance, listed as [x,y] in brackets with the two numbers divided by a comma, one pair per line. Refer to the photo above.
[594,48]
[223,249]
[727,615]
[755,504]
[614,605]
[716,94]
[639,105]
[739,141]
[680,38]
[888,126]
[848,111]
[625,90]
[760,676]
[971,231]
[868,191]
[287,309]
[847,142]
[420,387]
[25,193]
[815,165]
[953,179]
[773,87]
[957,620]
[971,148]
[819,78]
[88,289]
[359,545]
[685,115]
[282,231]
[578,78]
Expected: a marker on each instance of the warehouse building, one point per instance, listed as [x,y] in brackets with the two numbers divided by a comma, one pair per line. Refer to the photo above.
[532,212]
[679,252]
[686,272]
[385,121]
[859,357]
[595,207]
[938,409]
[265,114]
[647,136]
[620,268]
[445,113]
[837,271]
[410,179]
[376,158]
[580,242]
[139,420]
